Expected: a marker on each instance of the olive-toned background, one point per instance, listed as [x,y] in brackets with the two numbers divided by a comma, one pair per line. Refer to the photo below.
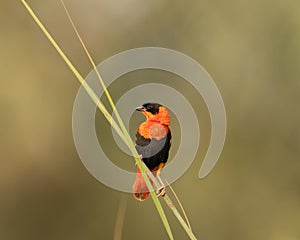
[250,48]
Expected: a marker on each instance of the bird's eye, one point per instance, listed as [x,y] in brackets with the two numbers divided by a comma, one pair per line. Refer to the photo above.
[149,107]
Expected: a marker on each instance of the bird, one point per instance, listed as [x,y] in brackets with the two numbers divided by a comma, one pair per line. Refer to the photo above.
[153,142]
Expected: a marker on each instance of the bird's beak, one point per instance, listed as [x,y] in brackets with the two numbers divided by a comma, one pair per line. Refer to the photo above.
[141,109]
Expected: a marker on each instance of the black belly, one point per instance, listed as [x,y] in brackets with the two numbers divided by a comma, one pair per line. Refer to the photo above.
[153,151]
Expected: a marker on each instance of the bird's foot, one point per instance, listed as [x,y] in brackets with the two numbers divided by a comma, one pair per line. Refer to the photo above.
[161,191]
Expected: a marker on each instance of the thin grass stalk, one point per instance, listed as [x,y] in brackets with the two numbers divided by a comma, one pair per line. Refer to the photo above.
[186,226]
[181,207]
[123,134]
[179,217]
[128,141]
[76,73]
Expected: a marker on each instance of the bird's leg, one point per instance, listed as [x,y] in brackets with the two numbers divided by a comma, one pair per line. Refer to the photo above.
[162,190]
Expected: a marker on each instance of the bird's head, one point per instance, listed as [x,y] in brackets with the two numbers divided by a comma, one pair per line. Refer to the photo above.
[155,112]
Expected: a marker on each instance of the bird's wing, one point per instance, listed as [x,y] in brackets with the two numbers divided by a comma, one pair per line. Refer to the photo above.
[153,151]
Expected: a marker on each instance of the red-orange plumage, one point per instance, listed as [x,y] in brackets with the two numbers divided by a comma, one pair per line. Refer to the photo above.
[152,143]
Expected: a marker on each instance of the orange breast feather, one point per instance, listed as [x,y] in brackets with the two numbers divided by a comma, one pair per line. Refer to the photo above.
[154,130]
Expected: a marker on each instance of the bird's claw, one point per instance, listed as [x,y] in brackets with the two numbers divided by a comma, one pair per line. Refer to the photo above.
[161,191]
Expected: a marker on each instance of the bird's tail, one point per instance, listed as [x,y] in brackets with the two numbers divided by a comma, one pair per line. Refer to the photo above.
[140,189]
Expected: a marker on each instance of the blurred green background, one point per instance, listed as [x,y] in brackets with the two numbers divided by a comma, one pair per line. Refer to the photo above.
[250,48]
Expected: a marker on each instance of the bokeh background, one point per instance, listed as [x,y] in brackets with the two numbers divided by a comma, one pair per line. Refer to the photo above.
[250,48]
